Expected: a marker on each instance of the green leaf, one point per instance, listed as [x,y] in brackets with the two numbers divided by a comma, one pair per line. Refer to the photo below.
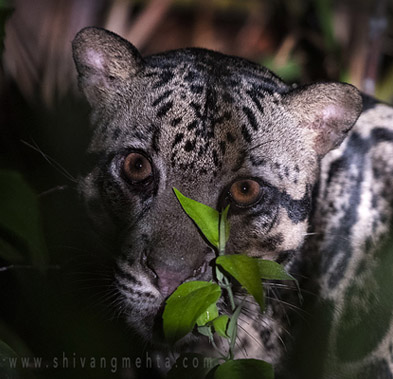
[232,326]
[192,366]
[220,325]
[289,70]
[209,315]
[244,368]
[20,220]
[273,270]
[206,218]
[205,330]
[186,305]
[246,271]
[224,230]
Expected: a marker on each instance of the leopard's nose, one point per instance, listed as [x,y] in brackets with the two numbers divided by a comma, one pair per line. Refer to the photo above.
[168,281]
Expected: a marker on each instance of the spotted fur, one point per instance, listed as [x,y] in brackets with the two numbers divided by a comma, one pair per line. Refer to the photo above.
[205,120]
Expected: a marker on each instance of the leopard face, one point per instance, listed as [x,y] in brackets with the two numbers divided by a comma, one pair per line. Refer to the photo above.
[220,129]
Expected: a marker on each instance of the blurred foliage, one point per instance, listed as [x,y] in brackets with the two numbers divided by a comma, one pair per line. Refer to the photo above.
[5,13]
[20,222]
[289,71]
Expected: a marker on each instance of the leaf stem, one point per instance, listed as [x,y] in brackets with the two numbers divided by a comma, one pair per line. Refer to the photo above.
[228,287]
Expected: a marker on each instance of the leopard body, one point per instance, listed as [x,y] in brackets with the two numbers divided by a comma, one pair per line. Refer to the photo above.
[204,121]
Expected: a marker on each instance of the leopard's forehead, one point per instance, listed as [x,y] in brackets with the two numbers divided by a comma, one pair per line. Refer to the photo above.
[204,112]
[207,102]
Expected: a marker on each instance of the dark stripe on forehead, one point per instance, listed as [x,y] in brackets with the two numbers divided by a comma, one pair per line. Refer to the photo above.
[164,96]
[256,96]
[251,118]
[246,134]
[164,78]
[165,109]
[155,141]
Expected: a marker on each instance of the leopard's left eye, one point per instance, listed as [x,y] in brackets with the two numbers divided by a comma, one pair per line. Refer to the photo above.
[245,192]
[137,168]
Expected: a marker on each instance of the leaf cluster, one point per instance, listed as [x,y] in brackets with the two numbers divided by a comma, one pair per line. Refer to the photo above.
[194,304]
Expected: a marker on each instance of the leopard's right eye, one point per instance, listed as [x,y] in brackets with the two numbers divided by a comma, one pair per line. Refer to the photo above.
[137,168]
[245,192]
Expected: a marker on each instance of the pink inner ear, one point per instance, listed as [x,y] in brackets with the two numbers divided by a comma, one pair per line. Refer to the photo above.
[330,113]
[95,59]
[331,129]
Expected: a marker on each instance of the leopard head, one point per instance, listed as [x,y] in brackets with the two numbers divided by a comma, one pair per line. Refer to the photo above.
[223,131]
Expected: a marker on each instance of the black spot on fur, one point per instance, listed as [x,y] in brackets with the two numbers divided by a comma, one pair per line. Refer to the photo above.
[240,160]
[189,146]
[176,121]
[215,157]
[192,125]
[197,110]
[230,138]
[116,134]
[227,98]
[272,242]
[178,138]
[165,77]
[165,109]
[223,147]
[196,89]
[382,135]
[191,76]
[266,337]
[257,161]
[297,210]
[285,256]
[202,151]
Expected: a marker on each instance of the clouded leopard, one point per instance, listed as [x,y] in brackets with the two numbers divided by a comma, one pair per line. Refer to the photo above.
[307,171]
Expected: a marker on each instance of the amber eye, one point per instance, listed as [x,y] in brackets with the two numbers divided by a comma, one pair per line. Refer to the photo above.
[245,192]
[137,168]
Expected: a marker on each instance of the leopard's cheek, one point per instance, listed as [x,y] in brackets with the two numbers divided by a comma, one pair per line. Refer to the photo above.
[279,244]
[284,241]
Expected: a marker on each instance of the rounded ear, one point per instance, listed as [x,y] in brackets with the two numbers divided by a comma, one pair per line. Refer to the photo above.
[105,63]
[327,110]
